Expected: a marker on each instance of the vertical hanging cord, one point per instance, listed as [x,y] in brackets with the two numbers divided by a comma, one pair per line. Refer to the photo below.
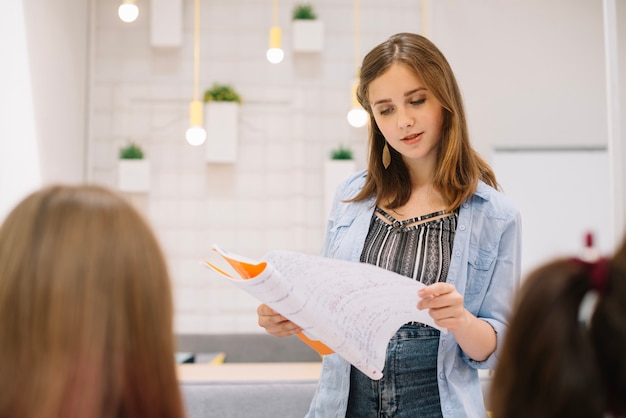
[425,18]
[275,14]
[357,49]
[196,50]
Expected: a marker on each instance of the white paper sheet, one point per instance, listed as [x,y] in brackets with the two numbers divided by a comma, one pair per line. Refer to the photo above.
[353,308]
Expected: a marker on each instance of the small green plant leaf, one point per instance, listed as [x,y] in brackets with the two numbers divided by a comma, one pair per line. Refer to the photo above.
[341,153]
[221,93]
[131,151]
[303,12]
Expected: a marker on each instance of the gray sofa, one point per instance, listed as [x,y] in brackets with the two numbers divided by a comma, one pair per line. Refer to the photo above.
[247,398]
[254,399]
[248,348]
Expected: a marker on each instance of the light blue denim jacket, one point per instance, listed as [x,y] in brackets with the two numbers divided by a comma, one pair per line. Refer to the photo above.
[485,268]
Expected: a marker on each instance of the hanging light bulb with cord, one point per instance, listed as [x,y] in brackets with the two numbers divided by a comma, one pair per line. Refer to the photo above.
[196,135]
[357,116]
[128,11]
[275,53]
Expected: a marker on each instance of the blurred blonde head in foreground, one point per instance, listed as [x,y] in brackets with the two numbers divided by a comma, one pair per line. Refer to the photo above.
[85,310]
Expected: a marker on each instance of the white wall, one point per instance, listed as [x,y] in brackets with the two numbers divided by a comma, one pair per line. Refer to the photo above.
[619,157]
[561,196]
[532,71]
[621,44]
[19,162]
[57,36]
[44,90]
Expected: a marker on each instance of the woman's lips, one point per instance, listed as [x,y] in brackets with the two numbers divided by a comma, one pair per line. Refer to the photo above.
[412,139]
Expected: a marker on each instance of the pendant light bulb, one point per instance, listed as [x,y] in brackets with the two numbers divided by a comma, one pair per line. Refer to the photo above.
[128,11]
[275,54]
[195,135]
[357,116]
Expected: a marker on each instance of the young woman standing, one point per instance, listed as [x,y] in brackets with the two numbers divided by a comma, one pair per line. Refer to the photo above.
[427,207]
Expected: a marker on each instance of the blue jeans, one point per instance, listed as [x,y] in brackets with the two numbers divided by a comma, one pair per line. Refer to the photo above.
[408,387]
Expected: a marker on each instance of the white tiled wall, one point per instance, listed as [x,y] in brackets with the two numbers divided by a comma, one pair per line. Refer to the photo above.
[292,115]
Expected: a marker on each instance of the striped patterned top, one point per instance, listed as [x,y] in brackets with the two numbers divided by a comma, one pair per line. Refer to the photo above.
[419,248]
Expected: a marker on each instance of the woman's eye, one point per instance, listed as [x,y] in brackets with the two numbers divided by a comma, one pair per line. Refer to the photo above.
[385,111]
[418,102]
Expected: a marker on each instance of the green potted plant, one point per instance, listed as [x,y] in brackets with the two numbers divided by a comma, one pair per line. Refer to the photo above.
[221,93]
[308,31]
[340,165]
[131,151]
[133,169]
[303,12]
[221,122]
[341,153]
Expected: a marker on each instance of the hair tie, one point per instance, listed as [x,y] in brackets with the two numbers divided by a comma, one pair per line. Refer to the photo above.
[598,273]
[596,270]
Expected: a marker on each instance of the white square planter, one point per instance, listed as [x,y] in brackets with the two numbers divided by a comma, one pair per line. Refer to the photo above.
[133,176]
[166,23]
[221,122]
[334,172]
[308,35]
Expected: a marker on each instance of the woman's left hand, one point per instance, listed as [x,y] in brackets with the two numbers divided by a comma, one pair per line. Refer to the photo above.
[445,305]
[475,336]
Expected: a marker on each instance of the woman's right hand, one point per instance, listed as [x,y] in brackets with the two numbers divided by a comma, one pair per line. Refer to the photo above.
[274,323]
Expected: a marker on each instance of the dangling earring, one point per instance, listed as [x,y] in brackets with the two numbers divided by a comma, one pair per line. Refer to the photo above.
[386,156]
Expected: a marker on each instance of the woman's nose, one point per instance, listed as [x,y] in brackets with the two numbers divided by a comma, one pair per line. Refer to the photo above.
[405,119]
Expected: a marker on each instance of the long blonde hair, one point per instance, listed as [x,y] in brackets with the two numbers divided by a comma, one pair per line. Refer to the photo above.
[459,166]
[86,327]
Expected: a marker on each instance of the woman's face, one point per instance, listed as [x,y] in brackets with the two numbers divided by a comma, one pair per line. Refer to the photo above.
[407,113]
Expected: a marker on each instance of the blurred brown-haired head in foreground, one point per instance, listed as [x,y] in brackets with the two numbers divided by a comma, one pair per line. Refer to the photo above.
[564,354]
[85,310]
